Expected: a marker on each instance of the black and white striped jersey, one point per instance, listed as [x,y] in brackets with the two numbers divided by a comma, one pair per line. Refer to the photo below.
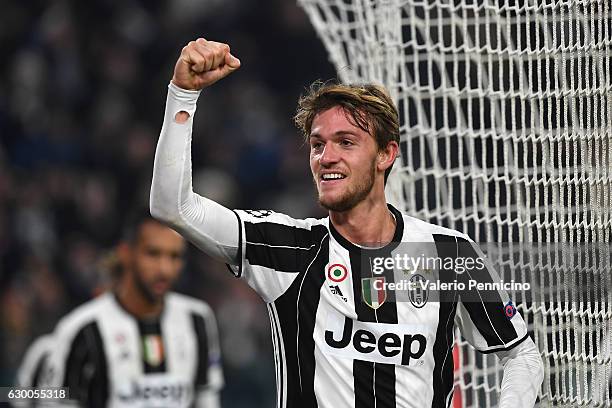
[108,358]
[32,368]
[337,343]
[33,361]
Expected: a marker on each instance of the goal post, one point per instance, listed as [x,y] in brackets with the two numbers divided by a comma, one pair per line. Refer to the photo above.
[506,134]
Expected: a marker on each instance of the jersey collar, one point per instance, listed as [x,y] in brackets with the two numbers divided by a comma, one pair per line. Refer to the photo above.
[397,236]
[157,318]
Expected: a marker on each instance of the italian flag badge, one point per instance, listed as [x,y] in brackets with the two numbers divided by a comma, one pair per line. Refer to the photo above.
[371,296]
[153,350]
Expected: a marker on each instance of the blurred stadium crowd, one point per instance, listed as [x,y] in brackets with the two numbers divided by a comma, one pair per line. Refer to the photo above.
[82,93]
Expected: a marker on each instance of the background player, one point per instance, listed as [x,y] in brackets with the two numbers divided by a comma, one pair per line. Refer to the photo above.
[141,345]
[32,368]
[353,133]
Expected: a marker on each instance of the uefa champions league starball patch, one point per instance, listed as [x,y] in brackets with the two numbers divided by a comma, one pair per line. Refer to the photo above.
[509,310]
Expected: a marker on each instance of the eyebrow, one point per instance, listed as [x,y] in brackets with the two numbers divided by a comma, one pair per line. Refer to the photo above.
[337,133]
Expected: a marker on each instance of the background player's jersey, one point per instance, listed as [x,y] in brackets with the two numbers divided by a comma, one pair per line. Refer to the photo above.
[339,341]
[34,360]
[32,368]
[108,358]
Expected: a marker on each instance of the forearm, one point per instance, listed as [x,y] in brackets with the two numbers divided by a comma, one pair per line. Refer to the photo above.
[523,375]
[208,225]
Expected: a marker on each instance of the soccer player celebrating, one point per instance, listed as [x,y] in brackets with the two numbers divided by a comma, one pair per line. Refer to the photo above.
[338,341]
[140,345]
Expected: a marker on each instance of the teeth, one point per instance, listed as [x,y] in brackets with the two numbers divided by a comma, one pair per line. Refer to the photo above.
[333,176]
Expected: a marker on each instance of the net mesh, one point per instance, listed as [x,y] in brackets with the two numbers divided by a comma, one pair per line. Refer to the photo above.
[506,124]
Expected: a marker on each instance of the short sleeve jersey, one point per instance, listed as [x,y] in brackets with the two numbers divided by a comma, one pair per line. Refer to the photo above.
[340,340]
[108,358]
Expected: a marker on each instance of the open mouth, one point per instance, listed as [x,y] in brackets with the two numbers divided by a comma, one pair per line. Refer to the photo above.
[332,176]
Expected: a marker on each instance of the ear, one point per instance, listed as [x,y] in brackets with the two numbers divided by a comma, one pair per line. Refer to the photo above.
[124,252]
[387,156]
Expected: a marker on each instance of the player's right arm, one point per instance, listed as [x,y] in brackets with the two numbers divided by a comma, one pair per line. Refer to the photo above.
[209,225]
[265,249]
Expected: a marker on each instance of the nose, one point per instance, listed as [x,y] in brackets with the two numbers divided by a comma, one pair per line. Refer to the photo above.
[165,266]
[329,156]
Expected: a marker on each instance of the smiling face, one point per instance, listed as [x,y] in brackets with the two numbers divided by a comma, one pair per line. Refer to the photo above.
[343,160]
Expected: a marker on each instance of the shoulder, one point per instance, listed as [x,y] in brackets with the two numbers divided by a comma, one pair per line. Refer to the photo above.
[41,345]
[272,217]
[414,227]
[188,304]
[82,316]
[35,356]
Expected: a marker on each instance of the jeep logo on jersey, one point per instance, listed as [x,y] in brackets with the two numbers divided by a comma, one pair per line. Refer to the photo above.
[155,391]
[337,273]
[373,291]
[378,342]
[419,293]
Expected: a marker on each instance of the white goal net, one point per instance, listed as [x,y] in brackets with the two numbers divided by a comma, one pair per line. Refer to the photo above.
[506,123]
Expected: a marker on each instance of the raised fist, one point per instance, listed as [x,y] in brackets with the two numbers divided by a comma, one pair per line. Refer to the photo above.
[202,63]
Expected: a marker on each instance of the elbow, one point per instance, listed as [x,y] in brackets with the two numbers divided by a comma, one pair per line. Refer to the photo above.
[537,364]
[162,212]
[158,212]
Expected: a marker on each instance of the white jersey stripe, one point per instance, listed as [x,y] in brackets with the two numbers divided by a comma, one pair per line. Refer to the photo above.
[281,246]
[275,346]
[282,362]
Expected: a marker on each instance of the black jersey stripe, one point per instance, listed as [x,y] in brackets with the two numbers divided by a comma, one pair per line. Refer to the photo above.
[443,346]
[275,234]
[374,383]
[363,371]
[151,328]
[86,370]
[485,309]
[203,359]
[296,310]
[488,314]
[279,259]
[39,370]
[363,381]
[238,273]
[308,298]
[278,246]
[384,385]
[384,374]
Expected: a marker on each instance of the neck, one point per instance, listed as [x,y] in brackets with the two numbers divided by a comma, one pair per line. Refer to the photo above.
[134,301]
[368,223]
